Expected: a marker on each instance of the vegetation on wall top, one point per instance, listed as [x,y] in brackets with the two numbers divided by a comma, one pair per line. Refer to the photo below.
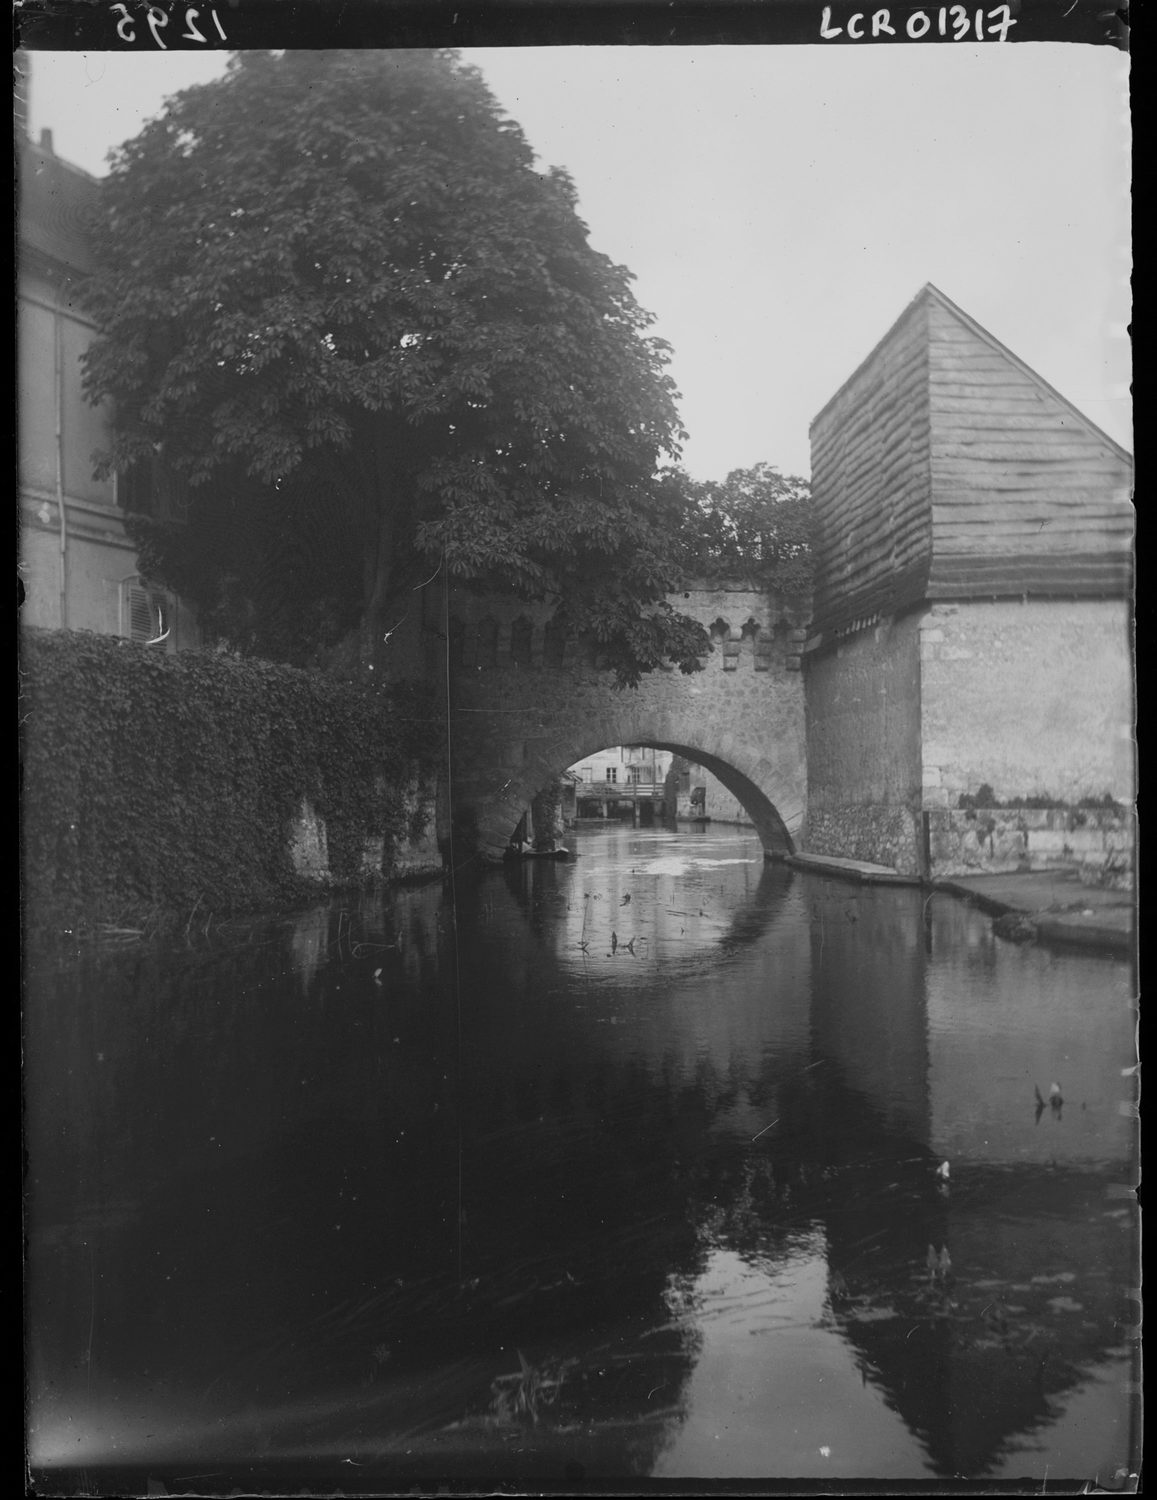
[757,526]
[985,798]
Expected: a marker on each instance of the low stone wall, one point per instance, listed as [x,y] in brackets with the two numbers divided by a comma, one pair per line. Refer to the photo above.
[414,854]
[880,835]
[1098,842]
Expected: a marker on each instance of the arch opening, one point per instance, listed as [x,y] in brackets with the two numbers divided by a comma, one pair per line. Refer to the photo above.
[498,824]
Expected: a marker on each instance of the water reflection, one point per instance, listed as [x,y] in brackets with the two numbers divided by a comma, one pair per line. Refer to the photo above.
[768,1346]
[416,1187]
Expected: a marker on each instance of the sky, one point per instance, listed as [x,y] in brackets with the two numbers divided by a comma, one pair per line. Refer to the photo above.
[780,206]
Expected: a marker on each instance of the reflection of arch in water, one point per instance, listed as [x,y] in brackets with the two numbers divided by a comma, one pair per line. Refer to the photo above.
[528,880]
[764,909]
[753,777]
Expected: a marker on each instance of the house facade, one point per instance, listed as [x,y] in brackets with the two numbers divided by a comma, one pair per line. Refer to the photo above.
[621,766]
[78,566]
[621,781]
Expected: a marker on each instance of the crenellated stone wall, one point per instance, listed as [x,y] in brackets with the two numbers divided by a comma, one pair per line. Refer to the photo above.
[526,703]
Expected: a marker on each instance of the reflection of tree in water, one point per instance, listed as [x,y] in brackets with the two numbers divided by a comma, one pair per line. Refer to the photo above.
[1024,1297]
[1034,1298]
[283,1187]
[278,1209]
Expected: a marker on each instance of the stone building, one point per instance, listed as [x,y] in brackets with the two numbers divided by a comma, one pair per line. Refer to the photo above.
[693,793]
[971,631]
[621,780]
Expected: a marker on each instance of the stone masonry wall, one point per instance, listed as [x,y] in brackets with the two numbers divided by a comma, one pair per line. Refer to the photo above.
[1032,699]
[863,751]
[1014,701]
[524,705]
[715,802]
[878,835]
[413,855]
[718,803]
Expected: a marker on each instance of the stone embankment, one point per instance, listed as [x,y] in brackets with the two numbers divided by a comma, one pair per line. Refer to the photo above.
[1052,906]
[1055,906]
[1094,842]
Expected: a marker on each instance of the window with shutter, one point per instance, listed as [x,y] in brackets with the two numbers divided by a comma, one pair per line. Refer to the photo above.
[140,615]
[145,613]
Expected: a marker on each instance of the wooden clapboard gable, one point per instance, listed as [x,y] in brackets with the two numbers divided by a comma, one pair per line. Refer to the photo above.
[945,468]
[1028,496]
[871,479]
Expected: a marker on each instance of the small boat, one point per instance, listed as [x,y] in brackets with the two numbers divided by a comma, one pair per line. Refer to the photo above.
[526,853]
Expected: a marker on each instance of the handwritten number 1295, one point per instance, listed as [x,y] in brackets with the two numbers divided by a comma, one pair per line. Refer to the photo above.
[157,20]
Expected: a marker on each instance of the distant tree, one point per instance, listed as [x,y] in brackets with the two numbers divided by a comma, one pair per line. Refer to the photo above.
[338,299]
[756,524]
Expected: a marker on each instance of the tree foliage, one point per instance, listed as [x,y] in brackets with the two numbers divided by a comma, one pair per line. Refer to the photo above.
[756,524]
[337,297]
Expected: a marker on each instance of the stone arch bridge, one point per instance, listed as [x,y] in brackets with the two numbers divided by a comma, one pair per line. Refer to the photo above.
[969,691]
[526,703]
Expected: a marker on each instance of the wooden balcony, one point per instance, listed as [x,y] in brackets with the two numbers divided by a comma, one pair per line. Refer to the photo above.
[619,791]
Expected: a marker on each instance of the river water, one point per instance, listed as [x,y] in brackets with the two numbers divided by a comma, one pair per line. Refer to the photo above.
[629,1167]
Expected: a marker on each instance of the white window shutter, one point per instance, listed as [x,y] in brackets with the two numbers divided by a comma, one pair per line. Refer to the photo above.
[146,613]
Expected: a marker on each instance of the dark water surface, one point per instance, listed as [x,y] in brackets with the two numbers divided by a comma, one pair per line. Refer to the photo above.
[624,1167]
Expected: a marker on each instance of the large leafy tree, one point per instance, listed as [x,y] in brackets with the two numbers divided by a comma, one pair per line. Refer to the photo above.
[337,297]
[756,524]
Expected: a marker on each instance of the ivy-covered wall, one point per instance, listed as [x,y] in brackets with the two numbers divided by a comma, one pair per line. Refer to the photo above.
[155,783]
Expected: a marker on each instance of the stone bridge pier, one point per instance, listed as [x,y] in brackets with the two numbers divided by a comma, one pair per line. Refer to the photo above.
[526,703]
